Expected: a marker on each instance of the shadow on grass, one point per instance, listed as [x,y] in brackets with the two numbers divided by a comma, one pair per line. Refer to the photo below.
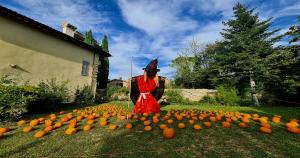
[21,148]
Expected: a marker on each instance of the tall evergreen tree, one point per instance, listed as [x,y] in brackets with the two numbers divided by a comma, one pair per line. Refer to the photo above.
[88,38]
[103,68]
[247,43]
[294,32]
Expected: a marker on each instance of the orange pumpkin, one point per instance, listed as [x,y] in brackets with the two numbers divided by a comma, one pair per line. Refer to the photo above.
[91,117]
[64,119]
[265,130]
[181,125]
[103,123]
[70,131]
[266,125]
[207,124]
[87,127]
[213,119]
[155,120]
[226,124]
[243,125]
[48,128]
[276,119]
[191,122]
[197,127]
[79,118]
[39,134]
[61,113]
[147,123]
[169,133]
[113,126]
[294,130]
[57,125]
[170,121]
[147,128]
[179,117]
[41,119]
[128,126]
[48,122]
[292,124]
[21,122]
[90,122]
[4,130]
[163,126]
[27,129]
[245,120]
[34,123]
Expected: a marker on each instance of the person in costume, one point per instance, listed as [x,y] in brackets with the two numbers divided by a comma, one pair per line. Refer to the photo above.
[147,89]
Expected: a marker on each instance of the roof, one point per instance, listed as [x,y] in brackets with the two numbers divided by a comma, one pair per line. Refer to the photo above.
[46,29]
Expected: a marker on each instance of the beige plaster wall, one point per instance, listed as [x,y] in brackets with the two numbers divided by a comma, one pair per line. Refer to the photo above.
[40,56]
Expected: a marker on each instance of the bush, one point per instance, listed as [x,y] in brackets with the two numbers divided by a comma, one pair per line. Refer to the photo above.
[15,99]
[84,96]
[209,100]
[228,96]
[116,93]
[174,96]
[51,94]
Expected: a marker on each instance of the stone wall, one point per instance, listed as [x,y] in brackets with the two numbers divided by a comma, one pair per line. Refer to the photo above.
[196,94]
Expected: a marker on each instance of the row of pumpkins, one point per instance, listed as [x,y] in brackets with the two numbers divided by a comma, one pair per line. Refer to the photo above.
[104,112]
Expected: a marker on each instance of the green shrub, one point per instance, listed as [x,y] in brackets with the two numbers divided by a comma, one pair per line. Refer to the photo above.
[84,96]
[15,99]
[112,93]
[209,100]
[228,96]
[51,94]
[174,96]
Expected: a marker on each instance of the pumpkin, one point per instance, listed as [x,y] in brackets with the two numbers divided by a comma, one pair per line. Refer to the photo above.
[194,118]
[201,118]
[245,120]
[276,119]
[103,123]
[147,128]
[207,124]
[191,122]
[169,133]
[34,123]
[128,126]
[155,120]
[228,120]
[90,122]
[265,130]
[145,114]
[263,120]
[181,125]
[48,122]
[294,120]
[243,125]
[162,126]
[87,127]
[143,118]
[69,115]
[226,124]
[57,125]
[70,131]
[39,134]
[4,130]
[113,126]
[147,123]
[135,117]
[170,121]
[91,117]
[197,127]
[292,124]
[213,119]
[48,128]
[294,130]
[72,124]
[79,118]
[27,129]
[62,112]
[21,122]
[266,125]
[179,117]
[64,119]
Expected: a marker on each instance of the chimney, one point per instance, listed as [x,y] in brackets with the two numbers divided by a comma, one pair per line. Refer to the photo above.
[68,29]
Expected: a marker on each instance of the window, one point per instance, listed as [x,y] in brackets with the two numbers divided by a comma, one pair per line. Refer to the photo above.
[85,68]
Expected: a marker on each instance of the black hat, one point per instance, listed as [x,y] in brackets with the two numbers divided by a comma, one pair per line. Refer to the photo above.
[152,66]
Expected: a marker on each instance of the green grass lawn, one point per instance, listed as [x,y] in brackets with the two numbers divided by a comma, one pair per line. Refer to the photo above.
[209,142]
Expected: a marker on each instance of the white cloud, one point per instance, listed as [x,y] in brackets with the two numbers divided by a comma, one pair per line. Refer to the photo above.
[155,17]
[53,12]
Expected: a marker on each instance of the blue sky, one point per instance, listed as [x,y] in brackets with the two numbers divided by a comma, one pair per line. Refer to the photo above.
[147,29]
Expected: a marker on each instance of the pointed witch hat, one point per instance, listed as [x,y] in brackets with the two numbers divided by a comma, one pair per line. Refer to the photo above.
[152,66]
